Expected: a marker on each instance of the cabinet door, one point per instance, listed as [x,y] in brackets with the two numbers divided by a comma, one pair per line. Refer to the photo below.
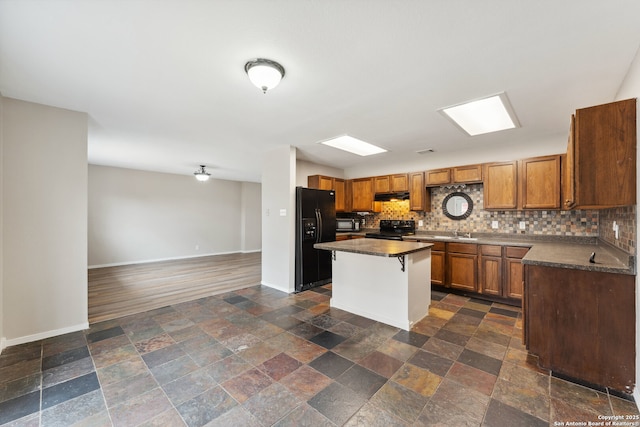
[490,270]
[540,182]
[382,184]
[467,174]
[339,187]
[462,271]
[320,182]
[500,185]
[568,171]
[437,267]
[436,177]
[362,194]
[399,182]
[514,278]
[605,155]
[514,271]
[419,198]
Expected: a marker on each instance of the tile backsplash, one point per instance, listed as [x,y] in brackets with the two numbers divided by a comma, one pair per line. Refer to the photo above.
[556,223]
[625,218]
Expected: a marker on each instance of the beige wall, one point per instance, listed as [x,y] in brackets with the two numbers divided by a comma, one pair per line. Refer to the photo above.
[304,169]
[278,231]
[44,221]
[138,216]
[2,337]
[630,88]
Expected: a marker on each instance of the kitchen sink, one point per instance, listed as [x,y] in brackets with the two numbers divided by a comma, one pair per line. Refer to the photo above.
[443,237]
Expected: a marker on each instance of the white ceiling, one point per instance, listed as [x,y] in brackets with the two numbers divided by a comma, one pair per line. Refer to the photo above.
[165,89]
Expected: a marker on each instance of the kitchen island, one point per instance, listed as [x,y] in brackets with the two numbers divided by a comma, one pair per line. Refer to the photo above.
[384,280]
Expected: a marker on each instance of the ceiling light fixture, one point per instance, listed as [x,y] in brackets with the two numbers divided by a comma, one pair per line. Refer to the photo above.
[486,115]
[264,73]
[353,145]
[201,174]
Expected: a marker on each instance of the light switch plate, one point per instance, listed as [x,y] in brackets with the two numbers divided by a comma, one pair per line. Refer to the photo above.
[420,223]
[522,225]
[494,225]
[283,212]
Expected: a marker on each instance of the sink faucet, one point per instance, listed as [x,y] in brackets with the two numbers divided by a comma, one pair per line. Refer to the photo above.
[455,232]
[468,234]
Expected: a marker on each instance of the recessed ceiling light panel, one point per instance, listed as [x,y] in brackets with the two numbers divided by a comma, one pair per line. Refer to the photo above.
[353,145]
[485,115]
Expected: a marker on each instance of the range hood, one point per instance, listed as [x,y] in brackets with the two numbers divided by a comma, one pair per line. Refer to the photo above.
[386,197]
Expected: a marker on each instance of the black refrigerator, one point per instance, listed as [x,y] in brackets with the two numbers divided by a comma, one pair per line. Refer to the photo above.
[315,223]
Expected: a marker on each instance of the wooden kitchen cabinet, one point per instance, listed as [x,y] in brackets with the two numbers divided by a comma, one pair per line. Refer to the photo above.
[540,182]
[322,182]
[391,183]
[514,271]
[501,185]
[436,177]
[462,266]
[438,271]
[600,169]
[362,193]
[419,198]
[524,184]
[468,174]
[490,273]
[582,324]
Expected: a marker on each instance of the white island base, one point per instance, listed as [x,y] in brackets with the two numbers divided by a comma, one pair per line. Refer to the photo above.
[376,287]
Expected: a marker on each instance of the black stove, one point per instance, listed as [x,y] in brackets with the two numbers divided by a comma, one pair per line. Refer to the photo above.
[393,229]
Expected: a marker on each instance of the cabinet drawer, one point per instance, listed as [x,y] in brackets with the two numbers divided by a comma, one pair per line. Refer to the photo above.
[515,251]
[491,250]
[438,246]
[462,248]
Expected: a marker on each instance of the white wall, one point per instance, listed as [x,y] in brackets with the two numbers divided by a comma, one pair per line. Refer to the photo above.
[44,221]
[138,216]
[304,169]
[278,232]
[250,217]
[2,336]
[630,88]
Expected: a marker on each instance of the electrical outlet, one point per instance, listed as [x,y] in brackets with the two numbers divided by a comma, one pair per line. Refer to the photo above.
[420,223]
[494,225]
[522,225]
[283,212]
[197,247]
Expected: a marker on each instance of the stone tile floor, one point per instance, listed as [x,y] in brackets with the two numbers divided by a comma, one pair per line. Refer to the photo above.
[260,357]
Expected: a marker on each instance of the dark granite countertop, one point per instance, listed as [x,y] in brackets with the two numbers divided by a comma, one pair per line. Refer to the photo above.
[553,251]
[376,247]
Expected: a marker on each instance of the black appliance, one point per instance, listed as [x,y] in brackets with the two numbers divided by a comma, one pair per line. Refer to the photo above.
[393,229]
[315,223]
[386,197]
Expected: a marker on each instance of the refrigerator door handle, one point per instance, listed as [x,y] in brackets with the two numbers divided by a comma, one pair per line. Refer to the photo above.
[319,231]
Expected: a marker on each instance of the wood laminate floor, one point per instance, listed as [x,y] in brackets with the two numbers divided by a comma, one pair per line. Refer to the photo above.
[123,290]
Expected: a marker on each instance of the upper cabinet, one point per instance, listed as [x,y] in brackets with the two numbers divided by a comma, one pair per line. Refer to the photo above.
[525,184]
[362,191]
[391,183]
[329,183]
[500,185]
[419,198]
[457,175]
[600,167]
[540,183]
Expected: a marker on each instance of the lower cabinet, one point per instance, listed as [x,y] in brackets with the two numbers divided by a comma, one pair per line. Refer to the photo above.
[494,271]
[462,266]
[582,324]
[340,237]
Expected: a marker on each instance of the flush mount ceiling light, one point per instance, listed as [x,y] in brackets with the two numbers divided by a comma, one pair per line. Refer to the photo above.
[353,145]
[201,174]
[264,73]
[486,115]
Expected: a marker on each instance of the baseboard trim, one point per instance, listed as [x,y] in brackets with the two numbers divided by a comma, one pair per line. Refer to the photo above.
[44,335]
[636,397]
[3,341]
[277,288]
[119,264]
[251,251]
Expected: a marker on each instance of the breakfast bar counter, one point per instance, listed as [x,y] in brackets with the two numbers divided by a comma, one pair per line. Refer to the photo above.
[384,280]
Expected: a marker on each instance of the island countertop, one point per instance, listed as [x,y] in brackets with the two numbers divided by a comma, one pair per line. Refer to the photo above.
[376,247]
